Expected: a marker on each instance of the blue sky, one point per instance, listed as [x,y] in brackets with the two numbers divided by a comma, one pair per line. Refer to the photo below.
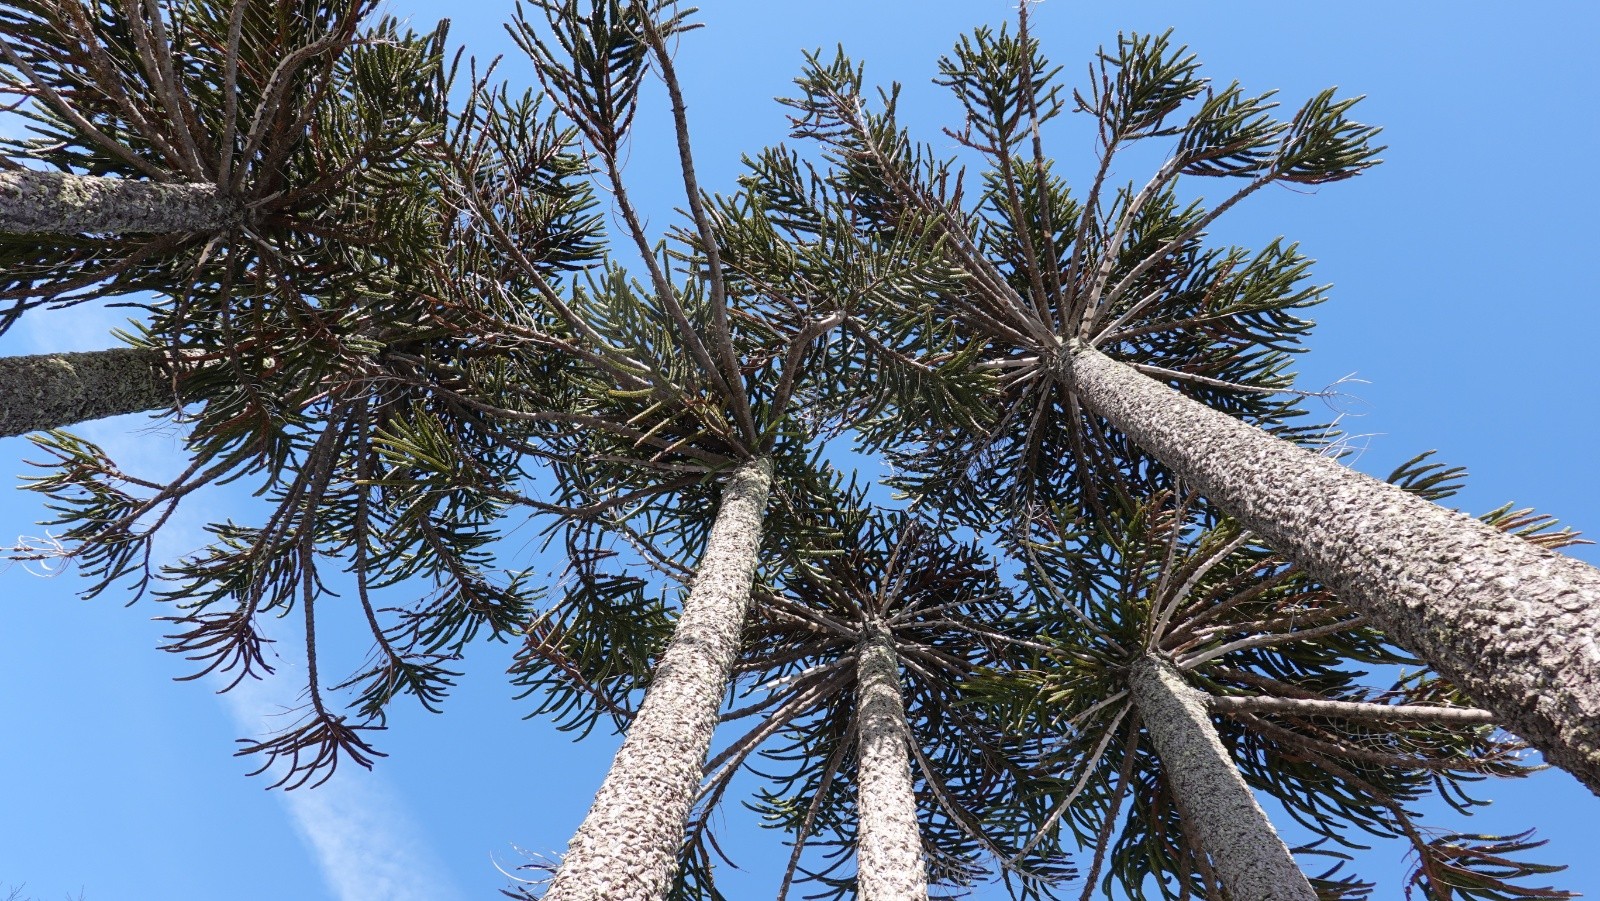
[1462,295]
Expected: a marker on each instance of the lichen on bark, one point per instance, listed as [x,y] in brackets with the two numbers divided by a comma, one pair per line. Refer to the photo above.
[53,391]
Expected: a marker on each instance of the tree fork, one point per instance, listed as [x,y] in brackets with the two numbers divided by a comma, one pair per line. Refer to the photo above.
[1515,626]
[627,847]
[1252,860]
[890,865]
[53,391]
[33,202]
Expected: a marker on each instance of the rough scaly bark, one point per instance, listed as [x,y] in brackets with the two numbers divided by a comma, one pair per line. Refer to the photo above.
[1515,626]
[1246,851]
[59,203]
[627,847]
[889,858]
[52,391]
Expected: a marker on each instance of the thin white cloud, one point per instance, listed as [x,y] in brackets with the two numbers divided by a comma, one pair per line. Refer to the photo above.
[365,841]
[365,844]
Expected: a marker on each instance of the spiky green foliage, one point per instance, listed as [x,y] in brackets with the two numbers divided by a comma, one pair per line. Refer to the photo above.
[384,465]
[753,307]
[737,342]
[1238,621]
[381,407]
[1125,269]
[792,240]
[312,127]
[945,610]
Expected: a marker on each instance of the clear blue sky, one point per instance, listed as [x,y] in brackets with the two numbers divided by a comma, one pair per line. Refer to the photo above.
[1463,295]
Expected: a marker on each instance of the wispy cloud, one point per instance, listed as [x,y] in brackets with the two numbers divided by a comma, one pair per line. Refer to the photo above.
[365,841]
[365,844]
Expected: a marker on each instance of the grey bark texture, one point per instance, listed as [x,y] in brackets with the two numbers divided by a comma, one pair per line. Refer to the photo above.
[58,203]
[1515,626]
[627,847]
[52,391]
[889,860]
[1222,814]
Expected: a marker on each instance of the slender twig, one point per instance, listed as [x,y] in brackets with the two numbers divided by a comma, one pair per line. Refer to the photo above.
[1200,572]
[1228,705]
[812,809]
[722,335]
[1087,770]
[1162,372]
[1261,641]
[1124,777]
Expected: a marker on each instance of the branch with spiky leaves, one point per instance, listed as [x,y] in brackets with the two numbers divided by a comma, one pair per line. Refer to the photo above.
[378,417]
[942,608]
[308,133]
[1127,270]
[1277,653]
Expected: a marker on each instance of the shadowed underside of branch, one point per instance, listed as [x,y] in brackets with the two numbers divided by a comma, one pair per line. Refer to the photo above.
[1378,713]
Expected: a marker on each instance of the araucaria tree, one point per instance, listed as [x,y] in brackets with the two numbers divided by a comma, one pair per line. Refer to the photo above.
[234,157]
[862,637]
[673,429]
[1128,589]
[1119,343]
[1180,664]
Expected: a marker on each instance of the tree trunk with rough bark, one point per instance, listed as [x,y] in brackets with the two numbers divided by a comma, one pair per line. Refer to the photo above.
[1515,626]
[58,203]
[627,847]
[52,391]
[889,861]
[1246,851]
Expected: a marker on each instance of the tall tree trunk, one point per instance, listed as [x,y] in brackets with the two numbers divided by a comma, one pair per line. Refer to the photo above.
[1515,626]
[627,847]
[889,861]
[52,391]
[1246,851]
[34,202]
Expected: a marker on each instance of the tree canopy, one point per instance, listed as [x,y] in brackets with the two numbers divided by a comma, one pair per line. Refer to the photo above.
[410,328]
